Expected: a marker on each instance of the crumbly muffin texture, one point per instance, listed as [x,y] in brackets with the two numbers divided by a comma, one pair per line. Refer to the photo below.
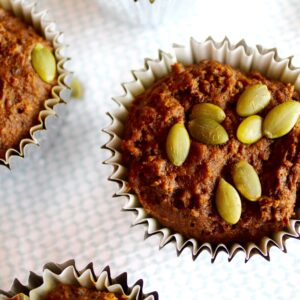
[183,198]
[71,292]
[22,91]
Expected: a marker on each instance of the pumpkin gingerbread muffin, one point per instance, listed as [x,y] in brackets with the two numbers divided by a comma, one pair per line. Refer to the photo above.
[213,153]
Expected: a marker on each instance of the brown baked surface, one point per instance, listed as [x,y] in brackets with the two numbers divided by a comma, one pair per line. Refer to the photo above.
[22,92]
[183,198]
[71,292]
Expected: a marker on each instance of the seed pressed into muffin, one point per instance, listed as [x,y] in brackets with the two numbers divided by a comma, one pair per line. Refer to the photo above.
[22,90]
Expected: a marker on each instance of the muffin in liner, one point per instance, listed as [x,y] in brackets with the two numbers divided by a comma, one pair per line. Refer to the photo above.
[240,56]
[53,274]
[54,107]
[148,12]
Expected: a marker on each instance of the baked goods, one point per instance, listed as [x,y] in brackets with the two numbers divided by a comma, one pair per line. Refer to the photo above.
[66,292]
[22,89]
[65,281]
[69,292]
[183,197]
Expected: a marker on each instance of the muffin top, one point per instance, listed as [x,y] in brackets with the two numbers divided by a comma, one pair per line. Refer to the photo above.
[183,197]
[65,292]
[22,90]
[70,292]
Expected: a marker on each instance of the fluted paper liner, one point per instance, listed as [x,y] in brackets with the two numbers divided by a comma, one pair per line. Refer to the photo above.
[240,56]
[67,273]
[60,93]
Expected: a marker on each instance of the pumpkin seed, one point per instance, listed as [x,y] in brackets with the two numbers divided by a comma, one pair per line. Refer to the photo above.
[250,130]
[76,89]
[208,131]
[246,180]
[254,99]
[281,119]
[228,202]
[43,62]
[178,144]
[208,110]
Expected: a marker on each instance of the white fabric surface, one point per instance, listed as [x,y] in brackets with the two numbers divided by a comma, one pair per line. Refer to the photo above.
[59,204]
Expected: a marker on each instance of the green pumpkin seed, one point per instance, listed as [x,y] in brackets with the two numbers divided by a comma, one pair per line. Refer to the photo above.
[76,89]
[281,119]
[228,202]
[43,62]
[178,144]
[250,130]
[254,99]
[246,180]
[208,110]
[208,131]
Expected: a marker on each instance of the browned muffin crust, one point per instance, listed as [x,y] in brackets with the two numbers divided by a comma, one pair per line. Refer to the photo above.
[183,198]
[22,92]
[70,292]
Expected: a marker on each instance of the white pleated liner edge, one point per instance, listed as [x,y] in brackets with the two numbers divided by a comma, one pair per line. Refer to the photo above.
[145,13]
[68,274]
[239,56]
[60,92]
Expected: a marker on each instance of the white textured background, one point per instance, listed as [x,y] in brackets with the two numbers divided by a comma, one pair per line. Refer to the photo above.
[60,205]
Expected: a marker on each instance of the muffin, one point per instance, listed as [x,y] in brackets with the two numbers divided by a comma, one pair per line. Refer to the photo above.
[65,292]
[182,200]
[64,281]
[183,197]
[31,82]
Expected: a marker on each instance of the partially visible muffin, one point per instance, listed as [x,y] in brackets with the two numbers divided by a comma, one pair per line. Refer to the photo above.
[65,281]
[70,292]
[67,292]
[22,90]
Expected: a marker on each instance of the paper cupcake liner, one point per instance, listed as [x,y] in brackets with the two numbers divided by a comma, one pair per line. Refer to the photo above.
[67,273]
[145,13]
[53,107]
[241,56]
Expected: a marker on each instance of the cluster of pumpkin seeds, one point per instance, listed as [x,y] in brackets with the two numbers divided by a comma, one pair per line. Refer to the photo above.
[206,118]
[278,122]
[43,62]
[228,201]
[205,127]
